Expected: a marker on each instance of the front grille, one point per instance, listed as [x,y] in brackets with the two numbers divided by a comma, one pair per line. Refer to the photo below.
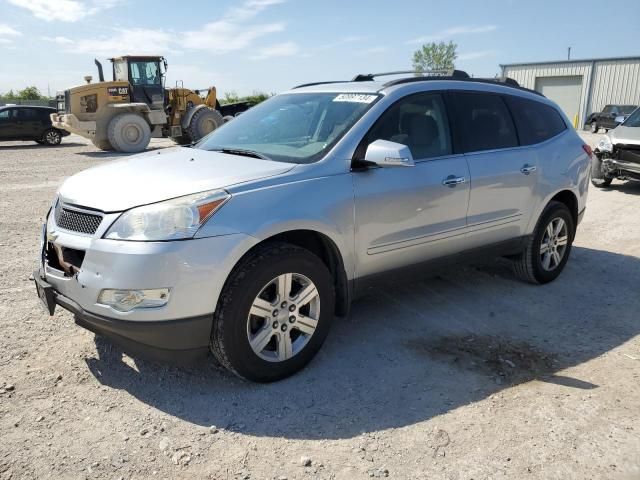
[77,221]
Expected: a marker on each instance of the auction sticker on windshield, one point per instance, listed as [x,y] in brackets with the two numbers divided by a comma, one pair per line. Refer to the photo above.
[355,97]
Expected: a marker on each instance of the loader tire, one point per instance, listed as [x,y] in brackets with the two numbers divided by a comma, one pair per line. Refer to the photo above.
[203,122]
[103,145]
[129,133]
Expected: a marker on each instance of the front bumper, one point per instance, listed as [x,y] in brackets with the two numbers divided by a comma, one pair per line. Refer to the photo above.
[194,270]
[70,123]
[180,341]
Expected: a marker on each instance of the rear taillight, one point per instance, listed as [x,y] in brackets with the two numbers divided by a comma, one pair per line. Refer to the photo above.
[587,149]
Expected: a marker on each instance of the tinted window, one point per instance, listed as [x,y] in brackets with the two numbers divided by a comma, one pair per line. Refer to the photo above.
[27,114]
[607,109]
[419,122]
[484,122]
[535,121]
[4,114]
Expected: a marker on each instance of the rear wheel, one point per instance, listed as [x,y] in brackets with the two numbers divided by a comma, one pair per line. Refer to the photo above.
[203,122]
[548,249]
[274,313]
[129,132]
[51,137]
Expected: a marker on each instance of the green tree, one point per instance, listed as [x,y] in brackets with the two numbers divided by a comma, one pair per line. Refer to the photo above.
[255,98]
[435,56]
[30,93]
[10,95]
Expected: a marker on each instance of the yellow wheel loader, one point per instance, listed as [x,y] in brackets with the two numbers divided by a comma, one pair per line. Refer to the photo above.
[123,114]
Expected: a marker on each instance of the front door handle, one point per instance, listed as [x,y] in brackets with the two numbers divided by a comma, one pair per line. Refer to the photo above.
[527,169]
[452,181]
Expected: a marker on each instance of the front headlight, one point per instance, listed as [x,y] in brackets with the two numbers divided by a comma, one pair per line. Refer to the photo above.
[174,219]
[605,144]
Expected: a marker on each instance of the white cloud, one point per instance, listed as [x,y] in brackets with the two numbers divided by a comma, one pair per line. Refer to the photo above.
[375,50]
[340,42]
[286,49]
[233,31]
[58,40]
[8,34]
[122,42]
[453,31]
[474,55]
[63,10]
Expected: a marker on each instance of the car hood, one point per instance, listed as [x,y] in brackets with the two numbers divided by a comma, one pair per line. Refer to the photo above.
[155,176]
[625,135]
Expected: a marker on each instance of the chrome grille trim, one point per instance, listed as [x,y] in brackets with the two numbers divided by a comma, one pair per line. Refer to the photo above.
[74,220]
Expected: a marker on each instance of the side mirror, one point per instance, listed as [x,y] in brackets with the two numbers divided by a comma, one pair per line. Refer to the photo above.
[619,119]
[389,154]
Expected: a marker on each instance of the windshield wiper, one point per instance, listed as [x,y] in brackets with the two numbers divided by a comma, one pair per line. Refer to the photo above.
[243,152]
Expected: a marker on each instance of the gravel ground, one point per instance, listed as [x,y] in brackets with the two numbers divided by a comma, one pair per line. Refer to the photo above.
[466,375]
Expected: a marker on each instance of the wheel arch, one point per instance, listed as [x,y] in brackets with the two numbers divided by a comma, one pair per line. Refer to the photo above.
[326,249]
[568,198]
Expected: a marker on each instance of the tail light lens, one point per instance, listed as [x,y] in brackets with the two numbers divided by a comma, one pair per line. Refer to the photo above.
[587,149]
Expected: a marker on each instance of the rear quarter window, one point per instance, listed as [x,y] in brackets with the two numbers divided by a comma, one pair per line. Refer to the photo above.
[535,121]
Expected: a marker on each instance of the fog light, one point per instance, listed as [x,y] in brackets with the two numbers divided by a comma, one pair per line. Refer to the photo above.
[127,300]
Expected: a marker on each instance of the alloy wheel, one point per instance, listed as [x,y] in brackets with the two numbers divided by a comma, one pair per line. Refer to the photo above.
[283,317]
[554,244]
[52,137]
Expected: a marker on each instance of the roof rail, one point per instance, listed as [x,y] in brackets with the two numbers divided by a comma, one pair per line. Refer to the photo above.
[368,77]
[319,83]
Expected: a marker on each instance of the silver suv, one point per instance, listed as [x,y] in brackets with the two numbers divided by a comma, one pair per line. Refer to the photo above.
[251,241]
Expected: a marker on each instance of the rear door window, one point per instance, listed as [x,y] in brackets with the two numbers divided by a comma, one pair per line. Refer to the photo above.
[483,122]
[535,121]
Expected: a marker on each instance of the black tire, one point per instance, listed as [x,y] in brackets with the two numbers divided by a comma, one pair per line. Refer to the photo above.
[599,178]
[103,145]
[594,127]
[129,132]
[528,265]
[229,339]
[51,137]
[203,122]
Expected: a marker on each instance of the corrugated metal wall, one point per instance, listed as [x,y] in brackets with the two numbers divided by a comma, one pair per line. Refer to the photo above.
[614,81]
[526,76]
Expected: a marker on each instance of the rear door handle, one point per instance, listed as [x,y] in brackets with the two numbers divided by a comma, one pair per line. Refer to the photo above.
[527,169]
[452,181]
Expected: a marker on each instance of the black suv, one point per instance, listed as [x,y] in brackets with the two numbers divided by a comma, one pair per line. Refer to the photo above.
[607,117]
[21,122]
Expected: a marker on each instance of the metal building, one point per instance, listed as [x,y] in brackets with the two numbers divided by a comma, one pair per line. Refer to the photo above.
[580,87]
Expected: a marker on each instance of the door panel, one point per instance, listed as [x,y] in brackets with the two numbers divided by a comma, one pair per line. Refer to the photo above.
[501,194]
[406,215]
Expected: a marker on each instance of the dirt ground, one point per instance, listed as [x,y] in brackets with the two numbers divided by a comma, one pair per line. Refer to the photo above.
[466,375]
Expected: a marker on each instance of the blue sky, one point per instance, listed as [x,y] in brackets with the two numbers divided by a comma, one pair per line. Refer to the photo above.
[271,45]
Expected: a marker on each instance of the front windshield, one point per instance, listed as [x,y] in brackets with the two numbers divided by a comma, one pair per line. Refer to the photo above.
[294,128]
[633,120]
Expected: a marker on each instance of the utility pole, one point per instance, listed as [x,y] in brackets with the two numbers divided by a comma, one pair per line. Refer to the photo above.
[569,54]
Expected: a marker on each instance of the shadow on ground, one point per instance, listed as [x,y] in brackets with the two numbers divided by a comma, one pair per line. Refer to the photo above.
[630,187]
[411,351]
[36,146]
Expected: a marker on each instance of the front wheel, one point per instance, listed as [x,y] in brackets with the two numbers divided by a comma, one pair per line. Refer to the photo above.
[599,178]
[129,132]
[548,249]
[274,313]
